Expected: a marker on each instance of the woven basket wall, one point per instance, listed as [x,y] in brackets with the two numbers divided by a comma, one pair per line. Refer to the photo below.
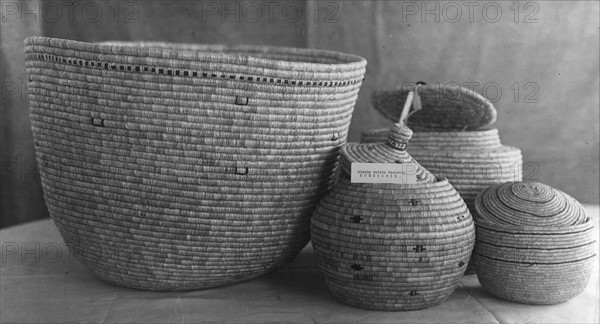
[391,246]
[172,166]
[535,244]
[471,160]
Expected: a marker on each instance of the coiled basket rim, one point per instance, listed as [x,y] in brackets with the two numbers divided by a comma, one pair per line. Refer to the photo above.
[246,55]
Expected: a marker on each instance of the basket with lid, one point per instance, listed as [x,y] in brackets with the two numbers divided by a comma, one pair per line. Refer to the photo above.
[391,246]
[452,137]
[178,166]
[535,244]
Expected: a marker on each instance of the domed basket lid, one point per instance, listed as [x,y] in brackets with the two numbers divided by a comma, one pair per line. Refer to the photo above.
[392,151]
[528,204]
[443,107]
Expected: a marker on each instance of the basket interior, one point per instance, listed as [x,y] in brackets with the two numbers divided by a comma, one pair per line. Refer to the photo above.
[287,54]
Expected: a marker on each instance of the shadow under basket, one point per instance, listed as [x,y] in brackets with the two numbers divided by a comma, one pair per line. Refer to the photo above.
[178,166]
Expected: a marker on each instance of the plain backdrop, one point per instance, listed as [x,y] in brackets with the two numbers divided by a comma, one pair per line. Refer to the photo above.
[537,61]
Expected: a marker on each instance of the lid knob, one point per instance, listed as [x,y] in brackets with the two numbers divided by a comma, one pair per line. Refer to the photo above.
[400,135]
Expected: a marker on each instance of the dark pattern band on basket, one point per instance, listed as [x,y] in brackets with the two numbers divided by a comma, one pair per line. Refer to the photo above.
[187,73]
[182,166]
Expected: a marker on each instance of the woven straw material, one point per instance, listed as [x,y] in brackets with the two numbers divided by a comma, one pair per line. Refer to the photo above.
[451,139]
[391,151]
[446,140]
[391,246]
[471,160]
[378,249]
[529,204]
[177,166]
[535,244]
[444,108]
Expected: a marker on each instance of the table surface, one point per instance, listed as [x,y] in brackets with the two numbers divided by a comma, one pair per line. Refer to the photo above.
[42,282]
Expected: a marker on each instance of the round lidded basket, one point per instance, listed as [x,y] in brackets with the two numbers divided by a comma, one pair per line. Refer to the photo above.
[535,244]
[178,166]
[391,246]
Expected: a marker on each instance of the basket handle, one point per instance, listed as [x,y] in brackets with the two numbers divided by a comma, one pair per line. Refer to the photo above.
[413,99]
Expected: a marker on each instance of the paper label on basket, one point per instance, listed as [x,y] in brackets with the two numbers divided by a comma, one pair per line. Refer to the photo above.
[404,173]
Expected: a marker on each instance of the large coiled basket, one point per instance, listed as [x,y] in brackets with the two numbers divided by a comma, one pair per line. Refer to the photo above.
[172,166]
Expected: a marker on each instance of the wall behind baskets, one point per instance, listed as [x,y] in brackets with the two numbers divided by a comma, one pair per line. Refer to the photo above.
[537,61]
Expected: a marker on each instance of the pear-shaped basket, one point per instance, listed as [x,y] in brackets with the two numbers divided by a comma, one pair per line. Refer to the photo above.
[535,244]
[391,246]
[452,138]
[178,166]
